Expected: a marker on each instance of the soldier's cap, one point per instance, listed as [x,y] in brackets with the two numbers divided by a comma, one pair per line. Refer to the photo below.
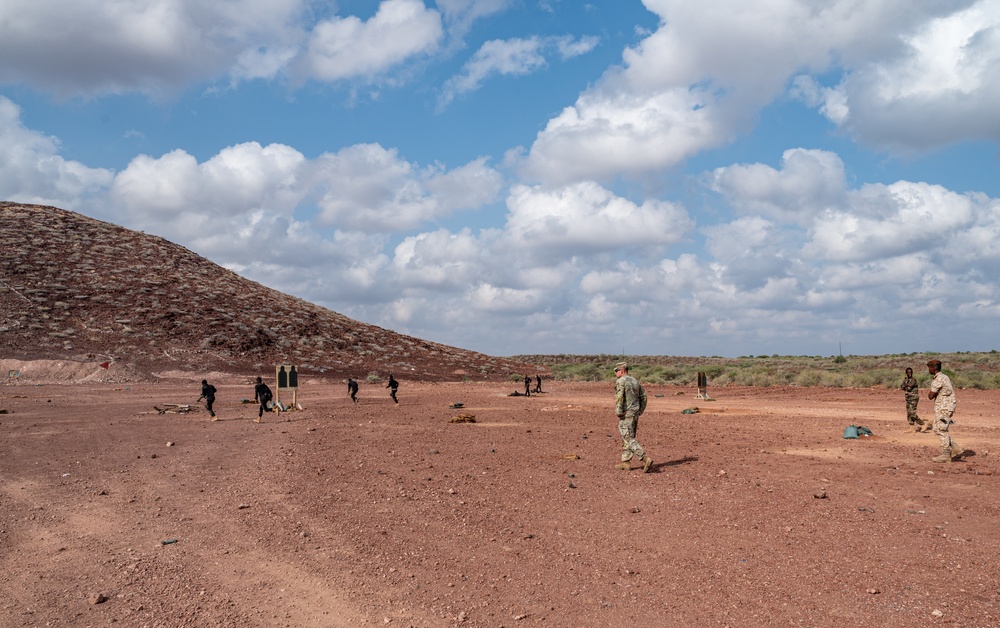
[621,365]
[934,363]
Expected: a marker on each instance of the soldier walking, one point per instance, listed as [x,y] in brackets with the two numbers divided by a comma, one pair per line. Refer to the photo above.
[630,403]
[392,386]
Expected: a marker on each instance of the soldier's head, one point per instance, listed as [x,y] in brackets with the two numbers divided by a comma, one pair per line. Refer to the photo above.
[621,369]
[909,372]
[934,367]
[258,380]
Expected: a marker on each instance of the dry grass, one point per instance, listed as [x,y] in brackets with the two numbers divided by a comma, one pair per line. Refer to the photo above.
[979,370]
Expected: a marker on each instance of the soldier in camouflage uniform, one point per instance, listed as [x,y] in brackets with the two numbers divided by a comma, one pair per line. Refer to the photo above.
[912,396]
[630,403]
[943,394]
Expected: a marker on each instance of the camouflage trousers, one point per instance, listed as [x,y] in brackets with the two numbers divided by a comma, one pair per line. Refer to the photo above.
[630,446]
[942,419]
[911,410]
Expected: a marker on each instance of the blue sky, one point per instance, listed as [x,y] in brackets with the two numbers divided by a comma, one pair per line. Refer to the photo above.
[523,176]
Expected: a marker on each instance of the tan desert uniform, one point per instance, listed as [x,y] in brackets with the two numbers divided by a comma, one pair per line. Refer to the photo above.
[944,409]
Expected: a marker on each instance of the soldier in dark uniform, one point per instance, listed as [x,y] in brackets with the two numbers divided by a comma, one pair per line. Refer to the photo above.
[527,386]
[262,393]
[208,394]
[392,385]
[352,388]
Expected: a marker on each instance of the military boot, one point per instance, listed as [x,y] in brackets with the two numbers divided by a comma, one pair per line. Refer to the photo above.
[944,457]
[623,466]
[956,451]
[647,464]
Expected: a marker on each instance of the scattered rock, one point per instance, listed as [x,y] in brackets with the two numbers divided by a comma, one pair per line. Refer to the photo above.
[463,418]
[170,443]
[820,495]
[98,598]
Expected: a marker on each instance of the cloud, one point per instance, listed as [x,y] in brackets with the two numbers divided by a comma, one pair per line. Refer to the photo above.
[679,92]
[342,48]
[586,218]
[95,47]
[808,183]
[160,47]
[370,188]
[32,171]
[888,221]
[511,57]
[238,180]
[946,68]
[460,14]
[440,260]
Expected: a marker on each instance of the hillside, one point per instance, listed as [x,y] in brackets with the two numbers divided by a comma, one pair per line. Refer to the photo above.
[75,288]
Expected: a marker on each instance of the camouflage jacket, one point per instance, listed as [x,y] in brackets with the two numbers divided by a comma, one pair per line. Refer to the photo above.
[630,397]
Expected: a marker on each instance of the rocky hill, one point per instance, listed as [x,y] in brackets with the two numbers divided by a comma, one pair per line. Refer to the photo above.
[75,288]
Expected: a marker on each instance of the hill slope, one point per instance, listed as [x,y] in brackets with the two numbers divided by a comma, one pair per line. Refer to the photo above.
[75,288]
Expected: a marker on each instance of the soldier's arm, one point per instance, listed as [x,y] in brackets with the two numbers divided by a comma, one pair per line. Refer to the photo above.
[619,400]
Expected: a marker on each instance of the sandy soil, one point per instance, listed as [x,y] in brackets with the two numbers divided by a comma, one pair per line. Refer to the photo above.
[757,511]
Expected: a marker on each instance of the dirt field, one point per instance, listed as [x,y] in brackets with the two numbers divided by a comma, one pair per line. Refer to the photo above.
[757,511]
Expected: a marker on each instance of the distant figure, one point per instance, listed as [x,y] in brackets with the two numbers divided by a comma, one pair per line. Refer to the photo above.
[527,386]
[538,383]
[912,396]
[392,385]
[352,388]
[630,403]
[943,394]
[208,394]
[262,394]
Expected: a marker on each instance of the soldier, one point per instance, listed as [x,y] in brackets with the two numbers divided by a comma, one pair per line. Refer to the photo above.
[538,383]
[352,388]
[208,394]
[912,396]
[943,394]
[527,386]
[630,403]
[262,393]
[393,385]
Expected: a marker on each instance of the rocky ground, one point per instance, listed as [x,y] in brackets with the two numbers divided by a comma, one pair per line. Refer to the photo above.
[756,512]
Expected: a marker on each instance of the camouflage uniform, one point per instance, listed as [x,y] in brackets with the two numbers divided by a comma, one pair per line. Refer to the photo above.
[912,395]
[944,409]
[630,403]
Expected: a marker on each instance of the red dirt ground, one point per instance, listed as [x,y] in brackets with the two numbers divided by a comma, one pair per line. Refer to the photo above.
[757,511]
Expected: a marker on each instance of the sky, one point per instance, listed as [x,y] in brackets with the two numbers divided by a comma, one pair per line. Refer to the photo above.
[656,177]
